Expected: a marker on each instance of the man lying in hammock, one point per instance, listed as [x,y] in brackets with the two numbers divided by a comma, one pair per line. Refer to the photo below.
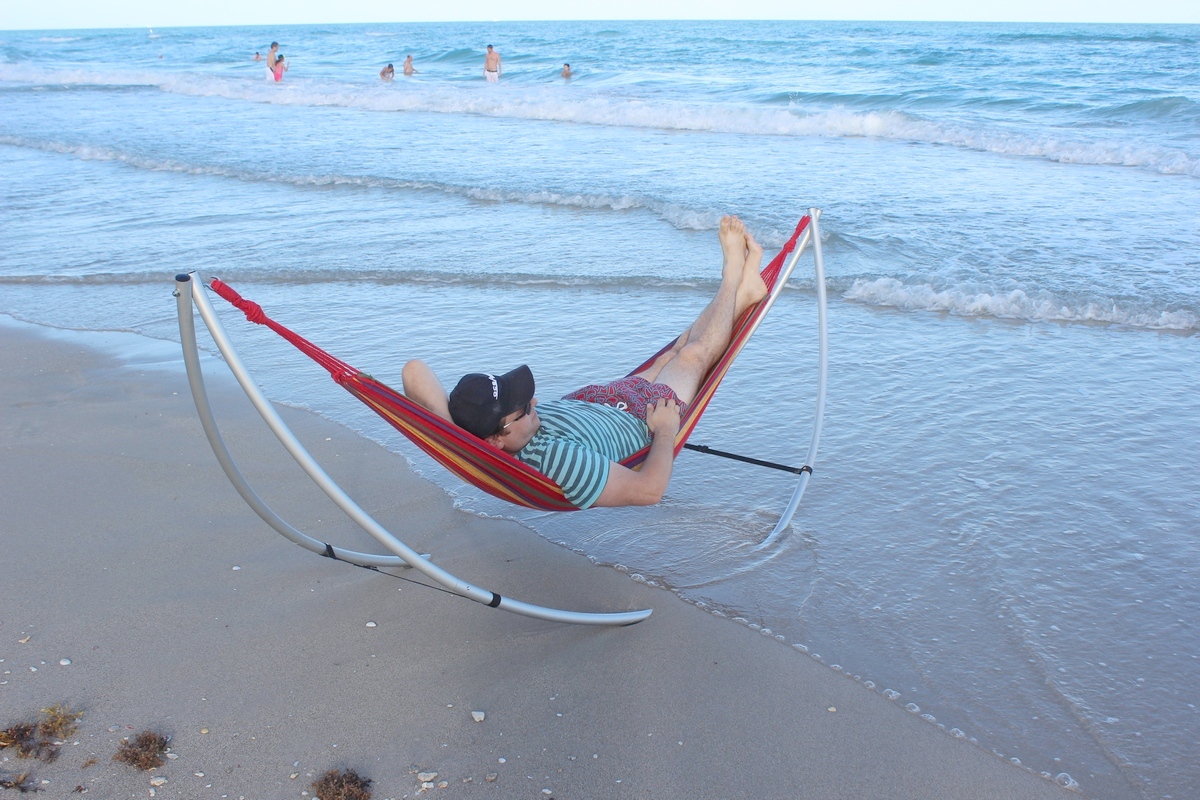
[576,441]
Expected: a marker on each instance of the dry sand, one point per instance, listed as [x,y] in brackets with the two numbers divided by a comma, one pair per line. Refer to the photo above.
[126,551]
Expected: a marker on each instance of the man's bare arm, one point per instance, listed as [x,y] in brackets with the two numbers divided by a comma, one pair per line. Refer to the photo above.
[645,487]
[421,385]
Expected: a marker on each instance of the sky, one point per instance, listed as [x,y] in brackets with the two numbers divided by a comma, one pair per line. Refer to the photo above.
[68,14]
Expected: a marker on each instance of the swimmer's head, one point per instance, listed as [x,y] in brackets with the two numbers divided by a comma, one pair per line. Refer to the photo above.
[274,44]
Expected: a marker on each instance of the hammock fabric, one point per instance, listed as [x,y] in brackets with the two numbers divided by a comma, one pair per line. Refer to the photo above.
[474,460]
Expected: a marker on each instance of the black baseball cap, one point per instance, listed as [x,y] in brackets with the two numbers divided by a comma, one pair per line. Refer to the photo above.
[481,400]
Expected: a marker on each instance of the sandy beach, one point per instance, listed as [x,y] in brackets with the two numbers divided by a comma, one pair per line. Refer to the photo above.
[127,553]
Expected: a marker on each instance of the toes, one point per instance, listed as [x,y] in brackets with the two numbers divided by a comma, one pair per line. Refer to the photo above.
[753,248]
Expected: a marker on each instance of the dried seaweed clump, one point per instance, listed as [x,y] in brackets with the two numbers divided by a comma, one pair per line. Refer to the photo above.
[58,722]
[40,739]
[23,782]
[20,736]
[144,751]
[337,785]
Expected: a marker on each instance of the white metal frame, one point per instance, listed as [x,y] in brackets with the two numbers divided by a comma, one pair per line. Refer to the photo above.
[822,381]
[189,290]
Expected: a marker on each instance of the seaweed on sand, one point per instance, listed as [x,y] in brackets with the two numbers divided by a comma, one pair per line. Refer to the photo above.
[58,722]
[22,782]
[40,739]
[144,751]
[19,736]
[338,785]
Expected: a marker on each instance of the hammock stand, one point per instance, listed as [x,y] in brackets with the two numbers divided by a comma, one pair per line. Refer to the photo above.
[487,468]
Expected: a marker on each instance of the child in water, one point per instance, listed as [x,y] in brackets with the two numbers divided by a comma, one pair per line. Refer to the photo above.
[279,68]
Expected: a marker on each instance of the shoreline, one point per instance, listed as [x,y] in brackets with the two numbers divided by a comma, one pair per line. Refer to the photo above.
[179,610]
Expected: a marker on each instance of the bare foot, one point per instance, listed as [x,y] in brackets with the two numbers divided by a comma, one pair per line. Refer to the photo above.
[752,288]
[733,247]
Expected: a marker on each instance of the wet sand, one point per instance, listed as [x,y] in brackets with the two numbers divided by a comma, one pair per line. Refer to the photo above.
[126,551]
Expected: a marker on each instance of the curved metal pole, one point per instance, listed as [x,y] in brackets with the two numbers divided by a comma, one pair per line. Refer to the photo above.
[822,379]
[191,359]
[356,513]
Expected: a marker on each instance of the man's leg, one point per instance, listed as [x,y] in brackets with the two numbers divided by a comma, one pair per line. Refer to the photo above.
[750,291]
[651,372]
[708,337]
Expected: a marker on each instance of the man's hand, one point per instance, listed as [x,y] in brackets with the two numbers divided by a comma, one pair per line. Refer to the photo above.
[663,418]
[645,487]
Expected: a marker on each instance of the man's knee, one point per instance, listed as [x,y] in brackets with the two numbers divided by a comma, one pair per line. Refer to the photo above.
[686,371]
[696,357]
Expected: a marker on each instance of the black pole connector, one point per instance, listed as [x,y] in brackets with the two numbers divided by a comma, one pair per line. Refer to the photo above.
[700,448]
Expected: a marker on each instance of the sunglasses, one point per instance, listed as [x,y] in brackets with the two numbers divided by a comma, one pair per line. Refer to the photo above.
[524,413]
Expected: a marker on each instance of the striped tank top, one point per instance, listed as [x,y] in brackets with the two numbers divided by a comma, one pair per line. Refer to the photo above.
[578,441]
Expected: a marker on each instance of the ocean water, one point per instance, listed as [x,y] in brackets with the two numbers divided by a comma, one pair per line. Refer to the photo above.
[1001,535]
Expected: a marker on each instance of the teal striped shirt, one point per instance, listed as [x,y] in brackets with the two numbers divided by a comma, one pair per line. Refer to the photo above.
[577,443]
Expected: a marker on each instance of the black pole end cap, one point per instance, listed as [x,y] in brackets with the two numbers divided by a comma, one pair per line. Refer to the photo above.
[183,277]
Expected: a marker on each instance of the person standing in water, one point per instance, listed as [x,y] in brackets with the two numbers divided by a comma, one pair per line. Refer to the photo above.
[387,73]
[280,68]
[409,69]
[566,72]
[491,65]
[272,56]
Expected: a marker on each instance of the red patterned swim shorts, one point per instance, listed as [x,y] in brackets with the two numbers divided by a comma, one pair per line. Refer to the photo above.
[633,394]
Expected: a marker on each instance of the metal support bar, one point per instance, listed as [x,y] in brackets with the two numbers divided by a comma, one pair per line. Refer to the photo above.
[703,448]
[822,380]
[186,285]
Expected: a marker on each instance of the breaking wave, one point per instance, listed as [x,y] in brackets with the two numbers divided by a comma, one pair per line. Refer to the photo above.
[617,284]
[680,217]
[577,105]
[1016,304]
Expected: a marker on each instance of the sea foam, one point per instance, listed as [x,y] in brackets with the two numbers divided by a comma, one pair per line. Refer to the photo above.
[606,108]
[678,216]
[1014,304]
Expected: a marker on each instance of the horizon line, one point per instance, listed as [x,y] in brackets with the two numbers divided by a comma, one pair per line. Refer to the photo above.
[599,21]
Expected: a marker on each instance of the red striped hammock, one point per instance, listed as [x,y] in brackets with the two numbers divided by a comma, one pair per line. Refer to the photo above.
[474,460]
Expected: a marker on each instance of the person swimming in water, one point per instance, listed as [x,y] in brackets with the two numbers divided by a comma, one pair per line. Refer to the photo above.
[387,73]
